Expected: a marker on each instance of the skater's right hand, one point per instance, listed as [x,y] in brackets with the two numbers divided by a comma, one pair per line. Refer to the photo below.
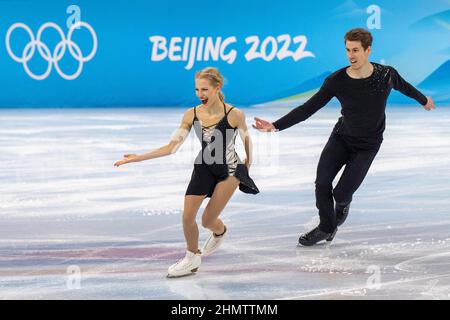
[126,159]
[263,125]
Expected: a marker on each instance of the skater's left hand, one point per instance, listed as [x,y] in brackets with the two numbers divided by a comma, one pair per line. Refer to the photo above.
[430,104]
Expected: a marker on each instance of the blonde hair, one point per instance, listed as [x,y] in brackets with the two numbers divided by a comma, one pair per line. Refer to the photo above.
[214,77]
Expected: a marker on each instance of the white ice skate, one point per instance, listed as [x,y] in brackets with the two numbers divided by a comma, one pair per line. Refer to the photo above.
[186,266]
[213,242]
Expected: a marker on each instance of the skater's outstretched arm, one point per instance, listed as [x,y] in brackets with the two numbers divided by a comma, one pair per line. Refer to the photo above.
[407,89]
[299,114]
[175,143]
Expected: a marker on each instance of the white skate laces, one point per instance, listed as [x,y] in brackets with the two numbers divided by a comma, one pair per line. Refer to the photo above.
[186,266]
[213,242]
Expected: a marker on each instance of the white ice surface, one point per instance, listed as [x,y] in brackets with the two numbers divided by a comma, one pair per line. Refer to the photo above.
[62,203]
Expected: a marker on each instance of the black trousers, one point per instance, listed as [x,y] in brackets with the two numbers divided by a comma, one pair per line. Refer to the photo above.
[341,151]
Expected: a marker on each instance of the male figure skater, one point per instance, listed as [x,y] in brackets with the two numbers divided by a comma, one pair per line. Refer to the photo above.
[362,89]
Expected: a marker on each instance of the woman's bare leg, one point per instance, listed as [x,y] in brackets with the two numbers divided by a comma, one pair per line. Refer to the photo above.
[190,228]
[220,197]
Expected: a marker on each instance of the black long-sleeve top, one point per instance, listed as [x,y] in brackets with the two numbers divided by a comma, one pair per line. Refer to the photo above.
[363,102]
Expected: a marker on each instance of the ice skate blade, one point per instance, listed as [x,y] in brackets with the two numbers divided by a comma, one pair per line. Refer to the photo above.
[321,243]
[193,271]
[311,244]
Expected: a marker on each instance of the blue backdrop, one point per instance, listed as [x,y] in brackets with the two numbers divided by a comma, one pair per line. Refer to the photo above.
[144,53]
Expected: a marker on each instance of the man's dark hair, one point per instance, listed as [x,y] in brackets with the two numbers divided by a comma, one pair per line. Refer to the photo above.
[359,34]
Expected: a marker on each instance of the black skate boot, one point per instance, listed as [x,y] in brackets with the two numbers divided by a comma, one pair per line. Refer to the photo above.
[341,213]
[314,236]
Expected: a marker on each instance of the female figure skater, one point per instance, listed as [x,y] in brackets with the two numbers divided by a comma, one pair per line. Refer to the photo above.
[218,171]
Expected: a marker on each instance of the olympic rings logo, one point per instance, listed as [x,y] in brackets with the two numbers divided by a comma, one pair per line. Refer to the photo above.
[58,53]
